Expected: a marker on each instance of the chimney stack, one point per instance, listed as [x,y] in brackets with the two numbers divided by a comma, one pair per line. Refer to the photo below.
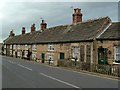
[11,34]
[23,30]
[77,16]
[43,25]
[33,28]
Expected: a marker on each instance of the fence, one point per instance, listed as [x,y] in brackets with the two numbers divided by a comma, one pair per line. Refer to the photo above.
[113,70]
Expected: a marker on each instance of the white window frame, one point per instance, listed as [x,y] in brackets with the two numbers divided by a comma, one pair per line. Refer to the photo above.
[34,47]
[18,46]
[18,53]
[26,47]
[10,46]
[34,56]
[117,53]
[5,51]
[4,46]
[14,53]
[14,46]
[50,56]
[75,52]
[10,52]
[50,47]
[25,54]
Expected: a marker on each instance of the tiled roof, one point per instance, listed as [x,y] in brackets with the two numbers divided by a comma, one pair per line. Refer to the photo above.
[21,39]
[113,32]
[66,33]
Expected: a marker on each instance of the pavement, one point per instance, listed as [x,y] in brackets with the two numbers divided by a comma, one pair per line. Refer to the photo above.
[18,73]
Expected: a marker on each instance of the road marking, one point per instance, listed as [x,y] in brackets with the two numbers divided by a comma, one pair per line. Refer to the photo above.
[59,80]
[97,75]
[24,67]
[90,74]
[11,62]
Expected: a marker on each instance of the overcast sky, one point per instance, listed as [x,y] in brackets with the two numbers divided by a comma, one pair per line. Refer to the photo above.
[15,15]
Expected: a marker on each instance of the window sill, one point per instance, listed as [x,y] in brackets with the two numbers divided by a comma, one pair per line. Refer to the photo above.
[34,49]
[116,63]
[50,50]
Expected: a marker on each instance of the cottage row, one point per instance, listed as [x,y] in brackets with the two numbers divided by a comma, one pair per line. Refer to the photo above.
[93,41]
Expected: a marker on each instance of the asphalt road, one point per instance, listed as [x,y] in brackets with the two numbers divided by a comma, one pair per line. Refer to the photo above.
[18,73]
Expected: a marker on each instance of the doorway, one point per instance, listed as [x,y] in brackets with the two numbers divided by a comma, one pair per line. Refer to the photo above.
[102,55]
[62,56]
[43,57]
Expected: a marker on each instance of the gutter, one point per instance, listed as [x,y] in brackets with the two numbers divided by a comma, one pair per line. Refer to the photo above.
[53,42]
[108,39]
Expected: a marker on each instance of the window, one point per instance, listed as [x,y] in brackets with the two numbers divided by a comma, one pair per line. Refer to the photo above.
[50,57]
[82,53]
[75,52]
[14,53]
[14,46]
[34,47]
[10,46]
[5,51]
[18,53]
[4,46]
[88,53]
[10,52]
[26,52]
[26,47]
[50,47]
[117,54]
[34,56]
[18,46]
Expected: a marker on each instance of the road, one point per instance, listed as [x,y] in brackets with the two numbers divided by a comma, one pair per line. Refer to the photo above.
[18,73]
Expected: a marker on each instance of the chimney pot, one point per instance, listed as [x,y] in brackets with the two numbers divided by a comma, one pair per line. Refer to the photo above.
[11,34]
[42,21]
[43,25]
[77,15]
[23,30]
[33,28]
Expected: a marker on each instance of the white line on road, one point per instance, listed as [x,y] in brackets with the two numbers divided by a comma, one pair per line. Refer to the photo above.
[86,73]
[59,80]
[24,67]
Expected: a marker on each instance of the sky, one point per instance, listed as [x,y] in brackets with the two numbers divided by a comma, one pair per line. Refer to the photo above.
[14,15]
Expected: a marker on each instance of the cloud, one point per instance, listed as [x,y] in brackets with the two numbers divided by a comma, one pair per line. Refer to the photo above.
[15,15]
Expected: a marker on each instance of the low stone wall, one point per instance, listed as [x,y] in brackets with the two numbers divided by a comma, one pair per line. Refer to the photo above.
[113,70]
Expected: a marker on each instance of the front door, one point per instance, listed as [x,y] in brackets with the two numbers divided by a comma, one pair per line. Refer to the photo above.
[61,56]
[43,57]
[102,55]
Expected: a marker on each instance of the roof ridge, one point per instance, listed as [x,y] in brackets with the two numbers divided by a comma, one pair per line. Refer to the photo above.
[58,26]
[89,20]
[110,23]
